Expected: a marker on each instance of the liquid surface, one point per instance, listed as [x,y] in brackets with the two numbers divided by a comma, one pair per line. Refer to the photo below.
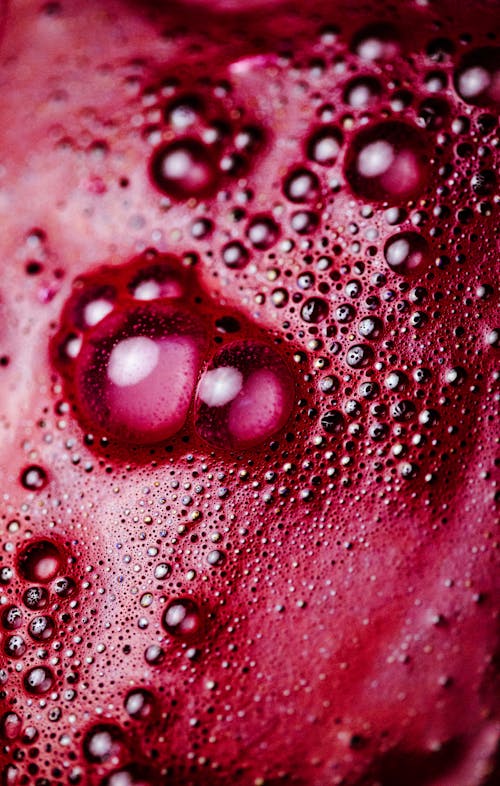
[248,393]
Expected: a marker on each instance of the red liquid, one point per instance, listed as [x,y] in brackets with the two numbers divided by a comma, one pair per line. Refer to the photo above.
[247,349]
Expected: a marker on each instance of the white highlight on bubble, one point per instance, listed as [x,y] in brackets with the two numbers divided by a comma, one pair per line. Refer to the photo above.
[100,744]
[182,116]
[132,360]
[220,386]
[375,158]
[473,82]
[359,96]
[326,150]
[96,310]
[177,164]
[398,252]
[73,346]
[147,290]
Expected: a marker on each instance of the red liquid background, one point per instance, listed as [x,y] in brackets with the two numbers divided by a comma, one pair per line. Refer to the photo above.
[423,638]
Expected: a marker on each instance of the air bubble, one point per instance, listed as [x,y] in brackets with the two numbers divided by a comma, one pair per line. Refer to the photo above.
[304,221]
[377,41]
[64,587]
[370,327]
[245,397]
[12,618]
[455,376]
[184,111]
[263,232]
[477,78]
[159,280]
[235,255]
[35,598]
[40,561]
[39,680]
[314,310]
[323,146]
[15,646]
[139,704]
[91,305]
[34,478]
[162,571]
[41,628]
[301,185]
[182,618]
[332,422]
[102,743]
[403,410]
[387,162]
[358,355]
[362,91]
[407,253]
[10,727]
[184,169]
[135,379]
[154,655]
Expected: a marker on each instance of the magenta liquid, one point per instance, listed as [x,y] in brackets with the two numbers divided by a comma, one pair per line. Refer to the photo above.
[249,402]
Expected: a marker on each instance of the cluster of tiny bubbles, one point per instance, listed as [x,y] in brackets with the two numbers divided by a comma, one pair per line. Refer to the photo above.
[200,139]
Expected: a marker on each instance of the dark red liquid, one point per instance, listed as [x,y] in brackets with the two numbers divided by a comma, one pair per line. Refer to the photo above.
[248,399]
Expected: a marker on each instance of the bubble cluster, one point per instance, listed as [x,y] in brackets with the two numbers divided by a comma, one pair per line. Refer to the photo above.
[134,372]
[202,145]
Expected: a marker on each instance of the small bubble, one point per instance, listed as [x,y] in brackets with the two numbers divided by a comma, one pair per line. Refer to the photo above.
[64,587]
[139,704]
[304,221]
[162,571]
[301,185]
[477,78]
[154,655]
[10,728]
[14,646]
[455,376]
[387,162]
[12,618]
[362,91]
[314,310]
[358,355]
[34,478]
[102,743]
[332,422]
[244,397]
[235,255]
[377,41]
[403,411]
[39,680]
[407,253]
[263,232]
[184,168]
[182,618]
[41,628]
[35,598]
[216,558]
[40,561]
[324,146]
[370,327]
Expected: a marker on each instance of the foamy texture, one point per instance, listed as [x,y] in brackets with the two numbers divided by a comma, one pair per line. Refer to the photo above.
[318,606]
